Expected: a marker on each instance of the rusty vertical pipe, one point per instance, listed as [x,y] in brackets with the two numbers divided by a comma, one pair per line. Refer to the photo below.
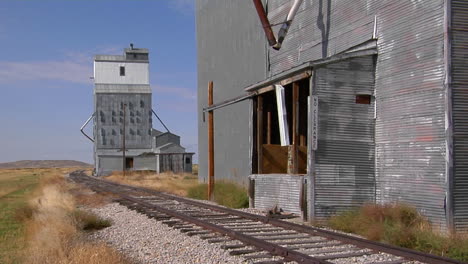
[210,144]
[265,23]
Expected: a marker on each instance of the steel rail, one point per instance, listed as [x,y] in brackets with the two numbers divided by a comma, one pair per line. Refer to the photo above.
[274,249]
[359,242]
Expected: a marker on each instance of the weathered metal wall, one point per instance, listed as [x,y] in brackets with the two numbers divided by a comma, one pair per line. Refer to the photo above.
[345,155]
[110,117]
[172,162]
[109,164]
[460,112]
[410,125]
[109,72]
[278,190]
[231,52]
[167,137]
[145,163]
[321,28]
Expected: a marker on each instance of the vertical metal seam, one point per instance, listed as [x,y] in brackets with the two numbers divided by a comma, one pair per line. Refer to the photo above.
[448,114]
[311,159]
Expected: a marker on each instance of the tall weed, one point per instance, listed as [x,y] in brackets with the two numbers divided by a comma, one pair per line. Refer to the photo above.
[400,225]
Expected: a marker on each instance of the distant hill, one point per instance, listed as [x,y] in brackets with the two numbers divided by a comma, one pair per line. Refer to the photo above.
[43,164]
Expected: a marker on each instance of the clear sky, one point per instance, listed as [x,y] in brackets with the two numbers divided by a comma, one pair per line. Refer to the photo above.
[46,61]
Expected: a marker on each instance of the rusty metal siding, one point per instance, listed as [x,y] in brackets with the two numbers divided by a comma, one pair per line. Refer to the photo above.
[345,154]
[410,125]
[460,112]
[280,190]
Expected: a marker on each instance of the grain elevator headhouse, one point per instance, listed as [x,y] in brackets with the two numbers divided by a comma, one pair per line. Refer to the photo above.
[123,134]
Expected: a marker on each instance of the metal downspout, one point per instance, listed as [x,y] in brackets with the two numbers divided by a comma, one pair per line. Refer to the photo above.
[287,23]
[449,207]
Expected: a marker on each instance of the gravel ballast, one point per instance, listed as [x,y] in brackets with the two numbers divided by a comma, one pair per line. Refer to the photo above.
[148,241]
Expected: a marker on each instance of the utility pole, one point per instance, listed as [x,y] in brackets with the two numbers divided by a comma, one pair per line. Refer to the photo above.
[124,163]
[210,144]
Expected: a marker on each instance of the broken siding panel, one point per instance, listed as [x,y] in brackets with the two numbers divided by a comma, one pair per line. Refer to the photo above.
[410,135]
[460,110]
[281,190]
[320,29]
[345,155]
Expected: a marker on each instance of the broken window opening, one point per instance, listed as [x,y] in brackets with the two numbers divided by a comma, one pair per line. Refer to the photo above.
[128,163]
[274,154]
[122,71]
[363,99]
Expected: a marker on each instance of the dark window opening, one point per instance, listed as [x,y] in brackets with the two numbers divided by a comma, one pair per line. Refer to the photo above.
[128,163]
[363,99]
[269,155]
[142,104]
[122,71]
[187,160]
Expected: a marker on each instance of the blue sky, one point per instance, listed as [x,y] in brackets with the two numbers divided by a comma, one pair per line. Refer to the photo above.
[46,59]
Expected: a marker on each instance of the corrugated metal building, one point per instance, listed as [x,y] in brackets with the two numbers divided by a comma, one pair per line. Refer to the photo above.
[372,94]
[123,119]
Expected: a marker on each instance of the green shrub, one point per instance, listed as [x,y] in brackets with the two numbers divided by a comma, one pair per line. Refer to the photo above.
[89,221]
[225,193]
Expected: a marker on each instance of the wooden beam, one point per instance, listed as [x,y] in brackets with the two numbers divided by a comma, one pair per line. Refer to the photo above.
[295,128]
[284,82]
[210,144]
[260,134]
[268,128]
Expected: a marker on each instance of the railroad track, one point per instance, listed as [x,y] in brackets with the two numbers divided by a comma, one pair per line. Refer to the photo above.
[259,239]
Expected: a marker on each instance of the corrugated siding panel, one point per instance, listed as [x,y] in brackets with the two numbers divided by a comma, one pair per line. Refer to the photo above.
[460,111]
[109,164]
[278,190]
[345,155]
[172,162]
[410,130]
[145,163]
[320,29]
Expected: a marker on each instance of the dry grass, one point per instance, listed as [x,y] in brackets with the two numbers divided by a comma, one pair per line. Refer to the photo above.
[166,182]
[53,228]
[16,188]
[400,225]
